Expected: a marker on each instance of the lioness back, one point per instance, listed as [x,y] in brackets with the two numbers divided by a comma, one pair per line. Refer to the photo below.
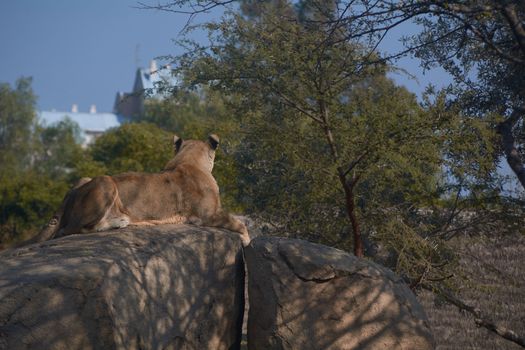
[182,191]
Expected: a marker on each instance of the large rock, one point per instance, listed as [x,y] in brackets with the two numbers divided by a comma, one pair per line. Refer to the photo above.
[308,296]
[158,287]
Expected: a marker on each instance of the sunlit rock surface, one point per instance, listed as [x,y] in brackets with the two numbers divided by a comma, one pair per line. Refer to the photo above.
[308,296]
[157,287]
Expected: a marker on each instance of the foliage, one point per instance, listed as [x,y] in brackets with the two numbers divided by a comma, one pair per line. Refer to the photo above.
[58,150]
[271,60]
[40,162]
[183,112]
[469,149]
[133,147]
[328,136]
[35,161]
[17,119]
[27,201]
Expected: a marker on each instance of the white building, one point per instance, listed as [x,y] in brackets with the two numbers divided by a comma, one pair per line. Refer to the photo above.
[91,124]
[127,106]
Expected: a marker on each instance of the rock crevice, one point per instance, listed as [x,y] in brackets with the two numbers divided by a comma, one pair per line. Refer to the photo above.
[182,287]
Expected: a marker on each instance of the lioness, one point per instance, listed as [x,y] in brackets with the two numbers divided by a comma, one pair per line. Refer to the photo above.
[185,192]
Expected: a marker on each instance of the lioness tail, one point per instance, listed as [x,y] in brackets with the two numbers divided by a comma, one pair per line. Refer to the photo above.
[46,233]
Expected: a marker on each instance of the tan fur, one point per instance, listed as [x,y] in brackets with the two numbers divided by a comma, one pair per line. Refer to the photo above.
[185,192]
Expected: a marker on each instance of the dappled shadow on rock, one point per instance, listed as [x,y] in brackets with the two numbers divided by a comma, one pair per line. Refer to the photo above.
[159,287]
[309,296]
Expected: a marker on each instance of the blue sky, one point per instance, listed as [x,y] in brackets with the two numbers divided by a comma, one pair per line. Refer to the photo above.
[83,52]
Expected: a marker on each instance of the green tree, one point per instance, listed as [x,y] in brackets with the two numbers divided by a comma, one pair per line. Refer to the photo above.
[58,150]
[332,148]
[309,77]
[27,201]
[34,163]
[139,147]
[17,121]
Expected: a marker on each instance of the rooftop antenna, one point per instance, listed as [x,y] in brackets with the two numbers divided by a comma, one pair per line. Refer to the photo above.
[137,56]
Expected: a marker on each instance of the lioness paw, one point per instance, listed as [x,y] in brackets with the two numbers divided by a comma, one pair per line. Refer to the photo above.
[122,222]
[245,239]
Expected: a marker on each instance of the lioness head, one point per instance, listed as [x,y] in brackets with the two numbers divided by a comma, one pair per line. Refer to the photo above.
[196,152]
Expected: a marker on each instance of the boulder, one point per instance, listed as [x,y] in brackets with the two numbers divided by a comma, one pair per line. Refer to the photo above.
[156,287]
[308,296]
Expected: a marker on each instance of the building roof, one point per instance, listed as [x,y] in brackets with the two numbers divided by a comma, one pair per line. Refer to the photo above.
[88,122]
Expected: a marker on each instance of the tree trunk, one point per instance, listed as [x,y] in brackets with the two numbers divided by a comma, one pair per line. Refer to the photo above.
[347,186]
[350,208]
[509,146]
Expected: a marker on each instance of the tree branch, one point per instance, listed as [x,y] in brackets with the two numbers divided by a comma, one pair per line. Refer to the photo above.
[455,11]
[516,24]
[355,162]
[479,318]
[177,6]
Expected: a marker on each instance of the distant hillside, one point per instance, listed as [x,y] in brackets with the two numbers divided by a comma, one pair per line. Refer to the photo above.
[496,265]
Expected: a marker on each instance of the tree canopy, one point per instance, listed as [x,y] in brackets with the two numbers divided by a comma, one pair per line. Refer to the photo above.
[34,167]
[17,119]
[332,148]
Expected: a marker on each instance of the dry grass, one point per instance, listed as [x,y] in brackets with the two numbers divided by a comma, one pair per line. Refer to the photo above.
[494,271]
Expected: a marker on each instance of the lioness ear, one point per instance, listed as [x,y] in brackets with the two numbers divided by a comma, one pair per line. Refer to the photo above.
[177,142]
[213,140]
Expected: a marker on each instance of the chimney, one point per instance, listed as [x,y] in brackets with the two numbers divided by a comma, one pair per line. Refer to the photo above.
[93,109]
[152,67]
[74,108]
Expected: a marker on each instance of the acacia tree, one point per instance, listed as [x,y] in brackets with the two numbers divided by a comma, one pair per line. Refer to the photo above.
[308,77]
[250,58]
[305,57]
[481,43]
